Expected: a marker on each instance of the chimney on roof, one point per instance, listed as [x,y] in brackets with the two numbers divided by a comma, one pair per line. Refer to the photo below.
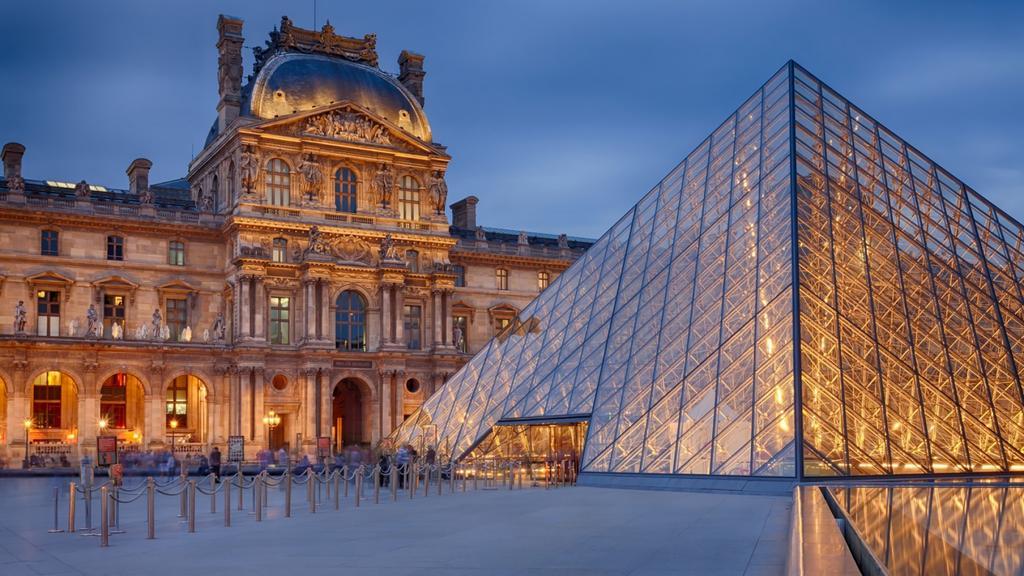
[410,74]
[464,213]
[11,157]
[138,175]
[229,70]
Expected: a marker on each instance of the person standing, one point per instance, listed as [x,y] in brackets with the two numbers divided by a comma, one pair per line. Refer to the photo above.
[215,463]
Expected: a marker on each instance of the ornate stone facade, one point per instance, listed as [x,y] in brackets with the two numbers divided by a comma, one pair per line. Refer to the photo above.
[305,265]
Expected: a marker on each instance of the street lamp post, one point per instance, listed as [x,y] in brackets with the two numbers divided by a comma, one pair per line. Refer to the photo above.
[174,426]
[28,427]
[272,420]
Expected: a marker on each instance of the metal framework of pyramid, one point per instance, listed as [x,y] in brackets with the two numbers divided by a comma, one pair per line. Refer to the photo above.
[802,261]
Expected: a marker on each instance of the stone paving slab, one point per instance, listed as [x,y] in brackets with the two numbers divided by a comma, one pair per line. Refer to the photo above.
[566,531]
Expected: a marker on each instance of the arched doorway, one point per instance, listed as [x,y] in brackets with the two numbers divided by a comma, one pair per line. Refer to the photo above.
[347,414]
[54,408]
[185,410]
[123,406]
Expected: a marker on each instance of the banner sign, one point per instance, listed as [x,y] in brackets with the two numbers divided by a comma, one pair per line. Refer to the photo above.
[323,446]
[106,450]
[236,448]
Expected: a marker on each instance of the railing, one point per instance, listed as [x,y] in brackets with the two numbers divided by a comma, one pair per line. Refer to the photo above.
[86,206]
[517,250]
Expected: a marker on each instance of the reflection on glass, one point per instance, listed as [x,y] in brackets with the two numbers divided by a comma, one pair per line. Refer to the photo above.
[957,529]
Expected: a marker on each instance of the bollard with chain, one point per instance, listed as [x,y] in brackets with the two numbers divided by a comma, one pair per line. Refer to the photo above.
[359,485]
[191,506]
[344,477]
[88,510]
[337,499]
[71,508]
[311,490]
[227,504]
[56,512]
[150,508]
[104,526]
[376,490]
[287,479]
[241,487]
[393,481]
[257,494]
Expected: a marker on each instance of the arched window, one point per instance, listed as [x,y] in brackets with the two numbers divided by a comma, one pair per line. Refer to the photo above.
[278,182]
[54,401]
[409,199]
[345,190]
[121,401]
[177,402]
[412,258]
[350,322]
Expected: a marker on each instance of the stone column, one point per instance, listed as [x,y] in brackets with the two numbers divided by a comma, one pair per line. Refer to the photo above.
[245,289]
[261,430]
[399,315]
[385,314]
[435,318]
[383,401]
[446,318]
[18,409]
[88,407]
[309,305]
[326,387]
[326,318]
[261,308]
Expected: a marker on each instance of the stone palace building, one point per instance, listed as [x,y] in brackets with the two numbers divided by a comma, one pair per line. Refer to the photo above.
[304,267]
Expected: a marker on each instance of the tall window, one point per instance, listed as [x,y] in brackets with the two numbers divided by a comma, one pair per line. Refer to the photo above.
[501,323]
[46,396]
[408,199]
[413,318]
[345,190]
[350,322]
[412,258]
[278,182]
[501,277]
[49,243]
[115,247]
[543,279]
[279,252]
[215,193]
[113,312]
[114,401]
[177,402]
[48,312]
[460,275]
[176,253]
[177,316]
[279,321]
[460,333]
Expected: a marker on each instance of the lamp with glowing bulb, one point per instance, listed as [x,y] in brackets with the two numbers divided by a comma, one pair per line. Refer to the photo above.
[271,420]
[28,427]
[174,426]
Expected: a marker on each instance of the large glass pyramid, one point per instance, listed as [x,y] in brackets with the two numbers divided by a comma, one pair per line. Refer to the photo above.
[802,260]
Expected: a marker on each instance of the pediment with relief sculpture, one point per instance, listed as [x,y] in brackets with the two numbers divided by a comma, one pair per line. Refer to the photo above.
[347,122]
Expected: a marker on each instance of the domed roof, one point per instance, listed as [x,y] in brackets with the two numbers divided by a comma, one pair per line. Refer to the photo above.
[294,82]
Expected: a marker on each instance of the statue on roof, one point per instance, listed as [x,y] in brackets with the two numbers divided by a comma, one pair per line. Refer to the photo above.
[563,241]
[146,196]
[15,184]
[82,189]
[480,234]
[383,185]
[438,191]
[524,240]
[312,179]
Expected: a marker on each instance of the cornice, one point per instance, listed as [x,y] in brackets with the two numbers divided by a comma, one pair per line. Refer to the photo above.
[30,217]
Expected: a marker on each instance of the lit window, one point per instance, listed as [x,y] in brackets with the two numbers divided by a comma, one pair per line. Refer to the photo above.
[279,252]
[543,279]
[278,183]
[501,275]
[177,402]
[409,199]
[48,313]
[279,322]
[115,248]
[501,324]
[460,275]
[345,190]
[412,321]
[350,322]
[46,400]
[113,312]
[114,401]
[49,245]
[176,253]
[177,316]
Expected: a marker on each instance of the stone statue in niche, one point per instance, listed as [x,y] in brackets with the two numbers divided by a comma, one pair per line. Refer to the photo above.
[383,185]
[20,317]
[186,334]
[91,321]
[116,332]
[82,190]
[387,248]
[249,170]
[156,322]
[206,202]
[457,337]
[312,179]
[438,191]
[219,327]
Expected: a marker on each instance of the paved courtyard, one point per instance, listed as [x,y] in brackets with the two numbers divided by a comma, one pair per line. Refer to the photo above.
[566,531]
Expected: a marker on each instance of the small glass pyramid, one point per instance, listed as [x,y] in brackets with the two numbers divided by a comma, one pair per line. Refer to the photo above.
[801,260]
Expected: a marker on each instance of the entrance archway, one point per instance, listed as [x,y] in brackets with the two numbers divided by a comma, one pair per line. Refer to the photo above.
[347,414]
[185,409]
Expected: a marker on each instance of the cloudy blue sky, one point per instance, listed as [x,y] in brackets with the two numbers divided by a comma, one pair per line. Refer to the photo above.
[559,115]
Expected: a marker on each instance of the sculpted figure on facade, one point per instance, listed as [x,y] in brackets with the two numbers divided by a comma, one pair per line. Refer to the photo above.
[312,179]
[317,244]
[20,317]
[563,241]
[457,338]
[91,321]
[346,125]
[387,248]
[116,332]
[524,240]
[480,234]
[219,328]
[146,196]
[352,249]
[438,191]
[16,184]
[158,319]
[73,327]
[205,201]
[383,185]
[249,170]
[82,189]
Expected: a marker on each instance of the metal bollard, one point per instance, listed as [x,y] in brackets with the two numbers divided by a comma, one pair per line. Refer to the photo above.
[476,477]
[463,479]
[257,505]
[376,491]
[452,470]
[393,473]
[344,478]
[104,526]
[440,482]
[241,487]
[183,501]
[71,508]
[150,508]
[337,499]
[213,494]
[88,509]
[287,478]
[115,512]
[311,491]
[359,485]
[511,476]
[521,474]
[191,505]
[56,512]
[227,504]
[426,481]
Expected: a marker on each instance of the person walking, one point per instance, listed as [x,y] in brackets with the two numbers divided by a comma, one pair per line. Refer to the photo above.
[215,463]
